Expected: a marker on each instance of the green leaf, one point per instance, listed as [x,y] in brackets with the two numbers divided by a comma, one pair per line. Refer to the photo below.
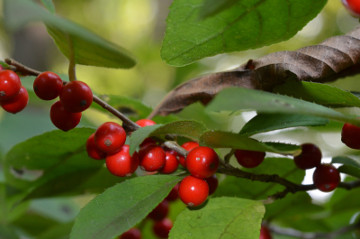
[246,188]
[232,99]
[346,161]
[8,232]
[350,170]
[121,207]
[220,139]
[268,122]
[41,159]
[318,93]
[49,5]
[224,217]
[212,7]
[186,128]
[72,39]
[60,231]
[247,24]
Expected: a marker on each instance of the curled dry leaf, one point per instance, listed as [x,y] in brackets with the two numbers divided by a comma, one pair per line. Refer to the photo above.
[332,59]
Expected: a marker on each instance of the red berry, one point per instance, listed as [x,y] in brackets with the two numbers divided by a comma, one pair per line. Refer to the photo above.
[162,228]
[188,146]
[160,212]
[353,6]
[10,84]
[173,195]
[17,103]
[145,122]
[193,191]
[48,85]
[309,157]
[265,233]
[248,158]
[202,162]
[171,163]
[110,137]
[326,177]
[122,163]
[133,233]
[63,119]
[92,150]
[152,158]
[213,183]
[76,96]
[350,135]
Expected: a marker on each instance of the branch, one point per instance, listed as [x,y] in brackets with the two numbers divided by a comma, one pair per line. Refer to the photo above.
[330,60]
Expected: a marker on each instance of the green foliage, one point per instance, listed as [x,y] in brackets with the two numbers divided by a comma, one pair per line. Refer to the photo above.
[122,206]
[72,39]
[247,24]
[223,217]
[49,5]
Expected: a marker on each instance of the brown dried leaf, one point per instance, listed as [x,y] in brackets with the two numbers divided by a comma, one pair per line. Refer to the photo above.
[332,59]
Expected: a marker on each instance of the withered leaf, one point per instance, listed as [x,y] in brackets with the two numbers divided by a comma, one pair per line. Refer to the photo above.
[330,60]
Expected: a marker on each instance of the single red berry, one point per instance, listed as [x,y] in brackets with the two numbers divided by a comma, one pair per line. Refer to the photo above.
[152,158]
[171,163]
[160,212]
[110,137]
[188,146]
[162,228]
[76,96]
[10,84]
[326,177]
[193,191]
[133,233]
[265,233]
[92,150]
[17,103]
[353,6]
[202,162]
[213,183]
[47,85]
[350,136]
[309,157]
[122,164]
[248,158]
[63,119]
[174,193]
[145,122]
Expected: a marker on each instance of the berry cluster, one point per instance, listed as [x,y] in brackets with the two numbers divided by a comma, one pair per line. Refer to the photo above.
[13,96]
[74,98]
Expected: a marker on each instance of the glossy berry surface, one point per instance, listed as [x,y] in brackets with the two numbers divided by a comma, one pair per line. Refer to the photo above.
[92,150]
[160,212]
[350,136]
[265,233]
[174,194]
[17,103]
[63,119]
[10,84]
[110,137]
[188,146]
[309,157]
[122,164]
[193,191]
[248,158]
[76,96]
[171,163]
[353,6]
[47,85]
[202,162]
[152,158]
[145,122]
[326,177]
[162,228]
[133,233]
[213,183]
